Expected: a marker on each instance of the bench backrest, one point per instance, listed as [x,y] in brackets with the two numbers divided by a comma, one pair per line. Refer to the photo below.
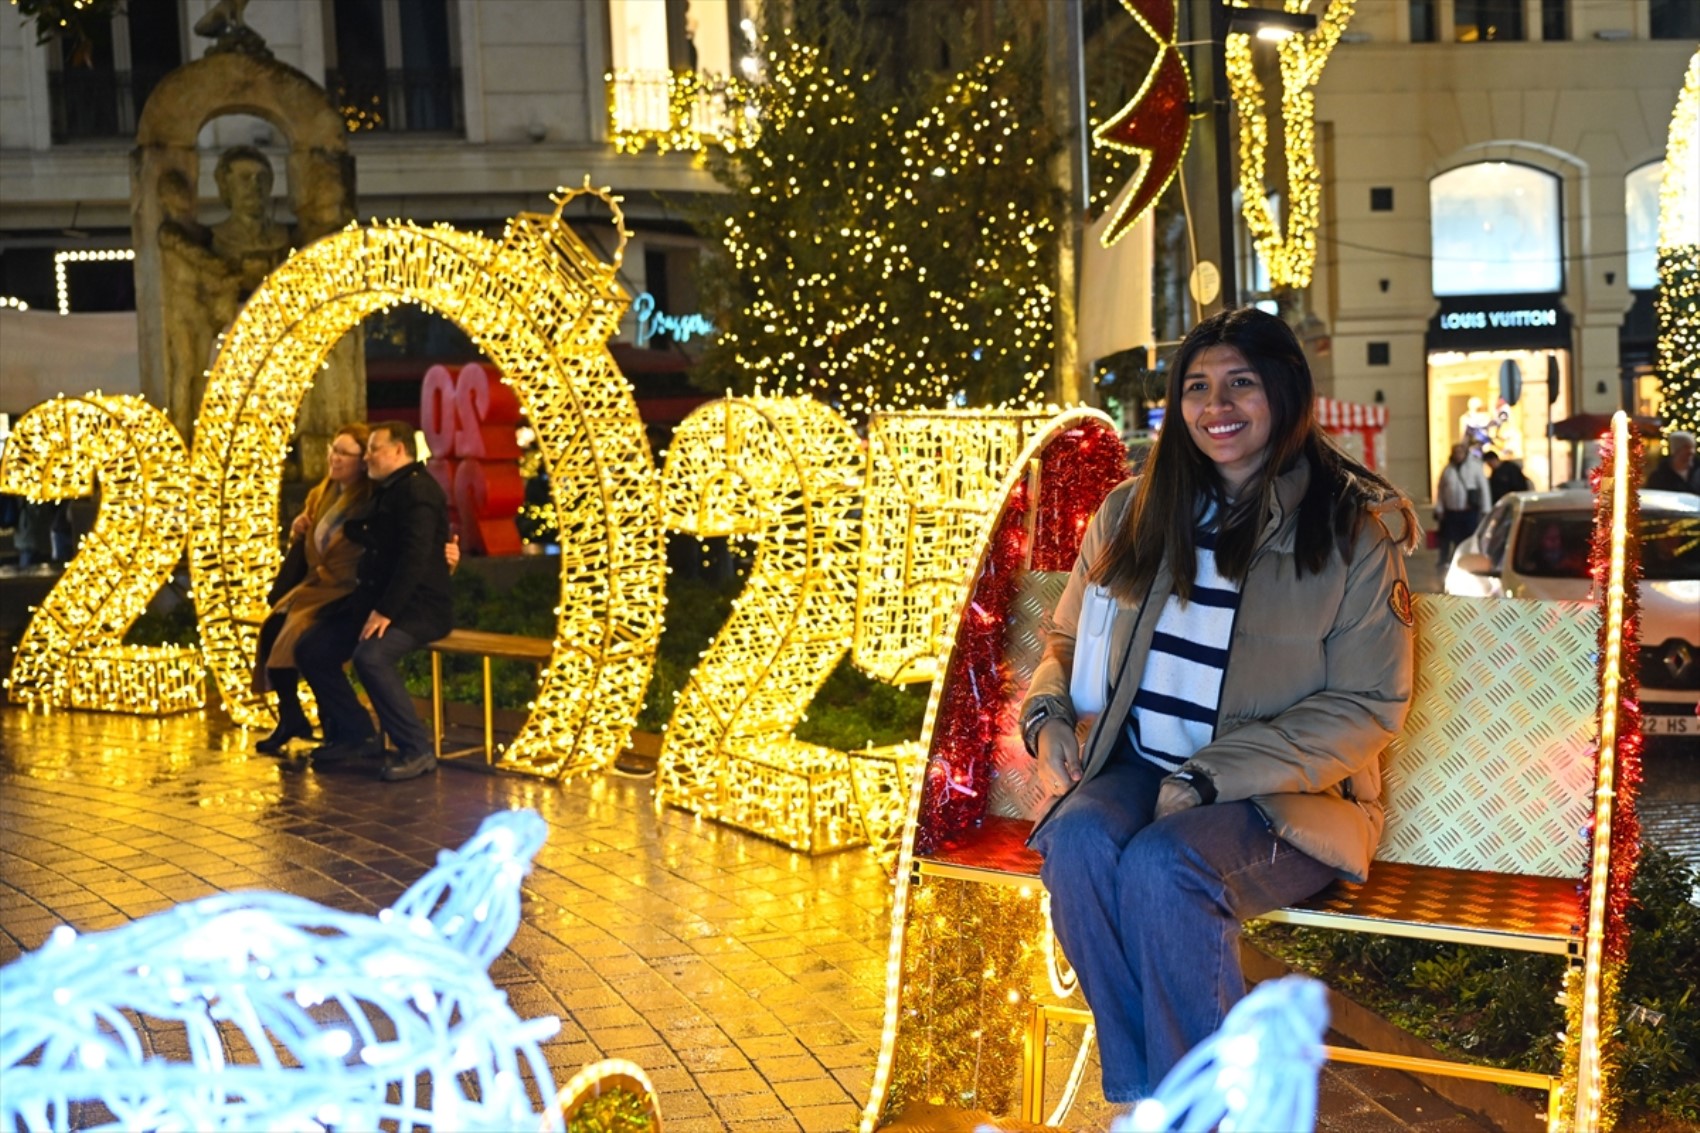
[1493,770]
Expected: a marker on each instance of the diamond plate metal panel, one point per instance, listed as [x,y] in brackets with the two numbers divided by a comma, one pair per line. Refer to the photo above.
[1015,784]
[1494,769]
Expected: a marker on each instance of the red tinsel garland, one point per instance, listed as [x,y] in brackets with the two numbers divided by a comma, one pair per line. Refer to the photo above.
[979,702]
[1626,781]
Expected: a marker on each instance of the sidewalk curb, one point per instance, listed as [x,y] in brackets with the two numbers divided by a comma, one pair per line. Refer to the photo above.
[1362,1027]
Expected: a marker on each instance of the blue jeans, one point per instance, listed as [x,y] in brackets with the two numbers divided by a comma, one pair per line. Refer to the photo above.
[320,654]
[1149,913]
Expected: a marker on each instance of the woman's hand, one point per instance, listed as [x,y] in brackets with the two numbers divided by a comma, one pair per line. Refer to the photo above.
[1059,757]
[299,527]
[451,552]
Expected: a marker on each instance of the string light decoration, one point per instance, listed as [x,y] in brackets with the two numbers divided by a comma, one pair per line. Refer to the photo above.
[786,474]
[336,1017]
[541,306]
[1591,993]
[70,655]
[61,283]
[968,961]
[883,255]
[934,482]
[11,303]
[702,111]
[1290,256]
[1677,302]
[611,1096]
[1155,124]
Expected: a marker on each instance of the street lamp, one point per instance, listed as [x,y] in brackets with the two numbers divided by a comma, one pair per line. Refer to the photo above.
[1222,18]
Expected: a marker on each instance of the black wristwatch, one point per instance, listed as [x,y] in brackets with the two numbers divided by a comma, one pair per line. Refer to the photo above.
[1199,781]
[1030,729]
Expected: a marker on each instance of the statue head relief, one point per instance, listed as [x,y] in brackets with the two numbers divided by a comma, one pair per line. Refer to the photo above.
[248,240]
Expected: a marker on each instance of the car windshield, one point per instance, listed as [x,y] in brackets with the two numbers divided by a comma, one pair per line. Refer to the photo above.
[1555,545]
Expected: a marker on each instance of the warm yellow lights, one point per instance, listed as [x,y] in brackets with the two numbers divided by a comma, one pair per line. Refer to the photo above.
[1288,251]
[540,305]
[935,480]
[62,285]
[1678,299]
[678,110]
[10,303]
[70,655]
[786,474]
[610,1096]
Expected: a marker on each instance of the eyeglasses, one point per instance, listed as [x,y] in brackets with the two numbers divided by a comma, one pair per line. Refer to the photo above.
[355,455]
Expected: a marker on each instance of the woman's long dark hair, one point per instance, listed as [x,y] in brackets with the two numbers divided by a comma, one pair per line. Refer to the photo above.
[1162,521]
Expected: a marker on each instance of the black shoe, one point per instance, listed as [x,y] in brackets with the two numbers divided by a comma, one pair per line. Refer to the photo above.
[339,751]
[280,739]
[400,766]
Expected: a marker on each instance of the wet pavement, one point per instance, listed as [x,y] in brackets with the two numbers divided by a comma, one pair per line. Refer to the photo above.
[746,979]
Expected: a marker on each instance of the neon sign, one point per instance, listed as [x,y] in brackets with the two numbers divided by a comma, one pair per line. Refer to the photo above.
[651,322]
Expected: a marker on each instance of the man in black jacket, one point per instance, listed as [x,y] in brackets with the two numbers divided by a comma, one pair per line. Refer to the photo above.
[401,602]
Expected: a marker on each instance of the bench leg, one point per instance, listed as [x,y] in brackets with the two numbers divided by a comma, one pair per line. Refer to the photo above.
[437,700]
[489,718]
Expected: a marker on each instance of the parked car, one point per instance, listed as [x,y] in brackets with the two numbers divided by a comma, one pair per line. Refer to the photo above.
[1535,545]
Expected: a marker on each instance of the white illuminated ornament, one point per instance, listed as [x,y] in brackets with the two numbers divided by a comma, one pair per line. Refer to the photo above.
[341,1013]
[1257,1072]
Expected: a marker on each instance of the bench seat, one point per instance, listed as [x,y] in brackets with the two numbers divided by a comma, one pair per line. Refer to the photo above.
[486,646]
[1466,906]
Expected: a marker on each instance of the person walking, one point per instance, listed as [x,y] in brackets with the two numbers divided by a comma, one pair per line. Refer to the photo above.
[401,602]
[1504,476]
[1677,470]
[1459,500]
[1259,661]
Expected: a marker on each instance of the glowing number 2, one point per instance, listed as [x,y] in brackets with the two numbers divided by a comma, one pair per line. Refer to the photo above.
[70,655]
[787,472]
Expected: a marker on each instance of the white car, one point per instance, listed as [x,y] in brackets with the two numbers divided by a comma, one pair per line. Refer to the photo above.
[1535,545]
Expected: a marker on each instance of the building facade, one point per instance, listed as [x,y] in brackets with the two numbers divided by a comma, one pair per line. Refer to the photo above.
[1490,217]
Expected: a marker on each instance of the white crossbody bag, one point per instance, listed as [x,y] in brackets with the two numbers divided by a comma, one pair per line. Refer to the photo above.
[1089,682]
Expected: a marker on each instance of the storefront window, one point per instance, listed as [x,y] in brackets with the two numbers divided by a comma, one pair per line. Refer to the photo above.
[1495,230]
[1483,21]
[1641,206]
[1499,399]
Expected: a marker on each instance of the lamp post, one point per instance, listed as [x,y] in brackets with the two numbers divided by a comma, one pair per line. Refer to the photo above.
[1211,163]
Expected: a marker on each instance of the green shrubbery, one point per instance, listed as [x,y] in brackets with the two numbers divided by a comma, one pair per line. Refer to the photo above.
[1498,1006]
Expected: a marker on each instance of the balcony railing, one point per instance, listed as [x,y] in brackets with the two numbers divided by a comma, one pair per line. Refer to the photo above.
[87,103]
[678,110]
[403,100]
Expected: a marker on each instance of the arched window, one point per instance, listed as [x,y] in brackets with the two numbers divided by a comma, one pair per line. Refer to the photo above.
[1496,230]
[1641,205]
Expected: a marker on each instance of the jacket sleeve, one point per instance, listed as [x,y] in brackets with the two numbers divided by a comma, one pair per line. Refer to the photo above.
[416,540]
[1049,689]
[1338,731]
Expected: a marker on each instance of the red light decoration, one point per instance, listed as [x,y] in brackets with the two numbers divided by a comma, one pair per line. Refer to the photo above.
[1077,469]
[1155,124]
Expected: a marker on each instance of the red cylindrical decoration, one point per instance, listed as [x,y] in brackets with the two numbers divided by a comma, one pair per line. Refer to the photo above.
[488,410]
[438,413]
[488,495]
[442,470]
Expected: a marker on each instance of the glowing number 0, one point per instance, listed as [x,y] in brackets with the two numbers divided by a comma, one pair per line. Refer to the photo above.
[786,471]
[70,655]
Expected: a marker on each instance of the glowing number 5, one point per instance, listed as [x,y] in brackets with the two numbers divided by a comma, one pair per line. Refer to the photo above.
[786,471]
[71,656]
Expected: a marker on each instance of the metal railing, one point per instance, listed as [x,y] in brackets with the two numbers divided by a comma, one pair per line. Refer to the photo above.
[399,100]
[677,110]
[87,103]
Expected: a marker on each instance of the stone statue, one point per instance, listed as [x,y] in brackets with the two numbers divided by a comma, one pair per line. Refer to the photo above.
[192,272]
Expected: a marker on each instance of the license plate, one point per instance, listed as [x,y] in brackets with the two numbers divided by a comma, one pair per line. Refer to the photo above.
[1685,725]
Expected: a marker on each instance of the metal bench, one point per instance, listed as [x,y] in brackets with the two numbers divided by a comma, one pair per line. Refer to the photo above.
[487,647]
[1490,789]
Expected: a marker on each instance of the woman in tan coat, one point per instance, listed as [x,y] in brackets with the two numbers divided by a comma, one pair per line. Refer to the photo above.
[331,559]
[1230,656]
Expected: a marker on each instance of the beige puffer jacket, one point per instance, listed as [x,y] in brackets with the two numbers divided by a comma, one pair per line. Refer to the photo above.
[1318,678]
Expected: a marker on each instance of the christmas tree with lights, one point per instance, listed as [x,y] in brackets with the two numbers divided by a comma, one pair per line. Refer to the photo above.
[888,239]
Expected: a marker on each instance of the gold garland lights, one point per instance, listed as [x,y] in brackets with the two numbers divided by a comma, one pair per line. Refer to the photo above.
[785,472]
[1290,257]
[71,654]
[935,482]
[702,111]
[541,306]
[1678,300]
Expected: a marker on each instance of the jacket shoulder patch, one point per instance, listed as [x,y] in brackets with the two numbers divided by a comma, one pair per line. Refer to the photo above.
[1399,601]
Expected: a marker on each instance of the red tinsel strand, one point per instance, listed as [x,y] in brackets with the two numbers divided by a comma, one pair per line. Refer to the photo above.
[979,701]
[1626,779]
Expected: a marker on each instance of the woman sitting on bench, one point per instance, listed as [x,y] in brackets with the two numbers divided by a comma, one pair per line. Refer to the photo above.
[1229,658]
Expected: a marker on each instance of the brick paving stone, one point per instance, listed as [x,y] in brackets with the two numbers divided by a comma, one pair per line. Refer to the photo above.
[748,979]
